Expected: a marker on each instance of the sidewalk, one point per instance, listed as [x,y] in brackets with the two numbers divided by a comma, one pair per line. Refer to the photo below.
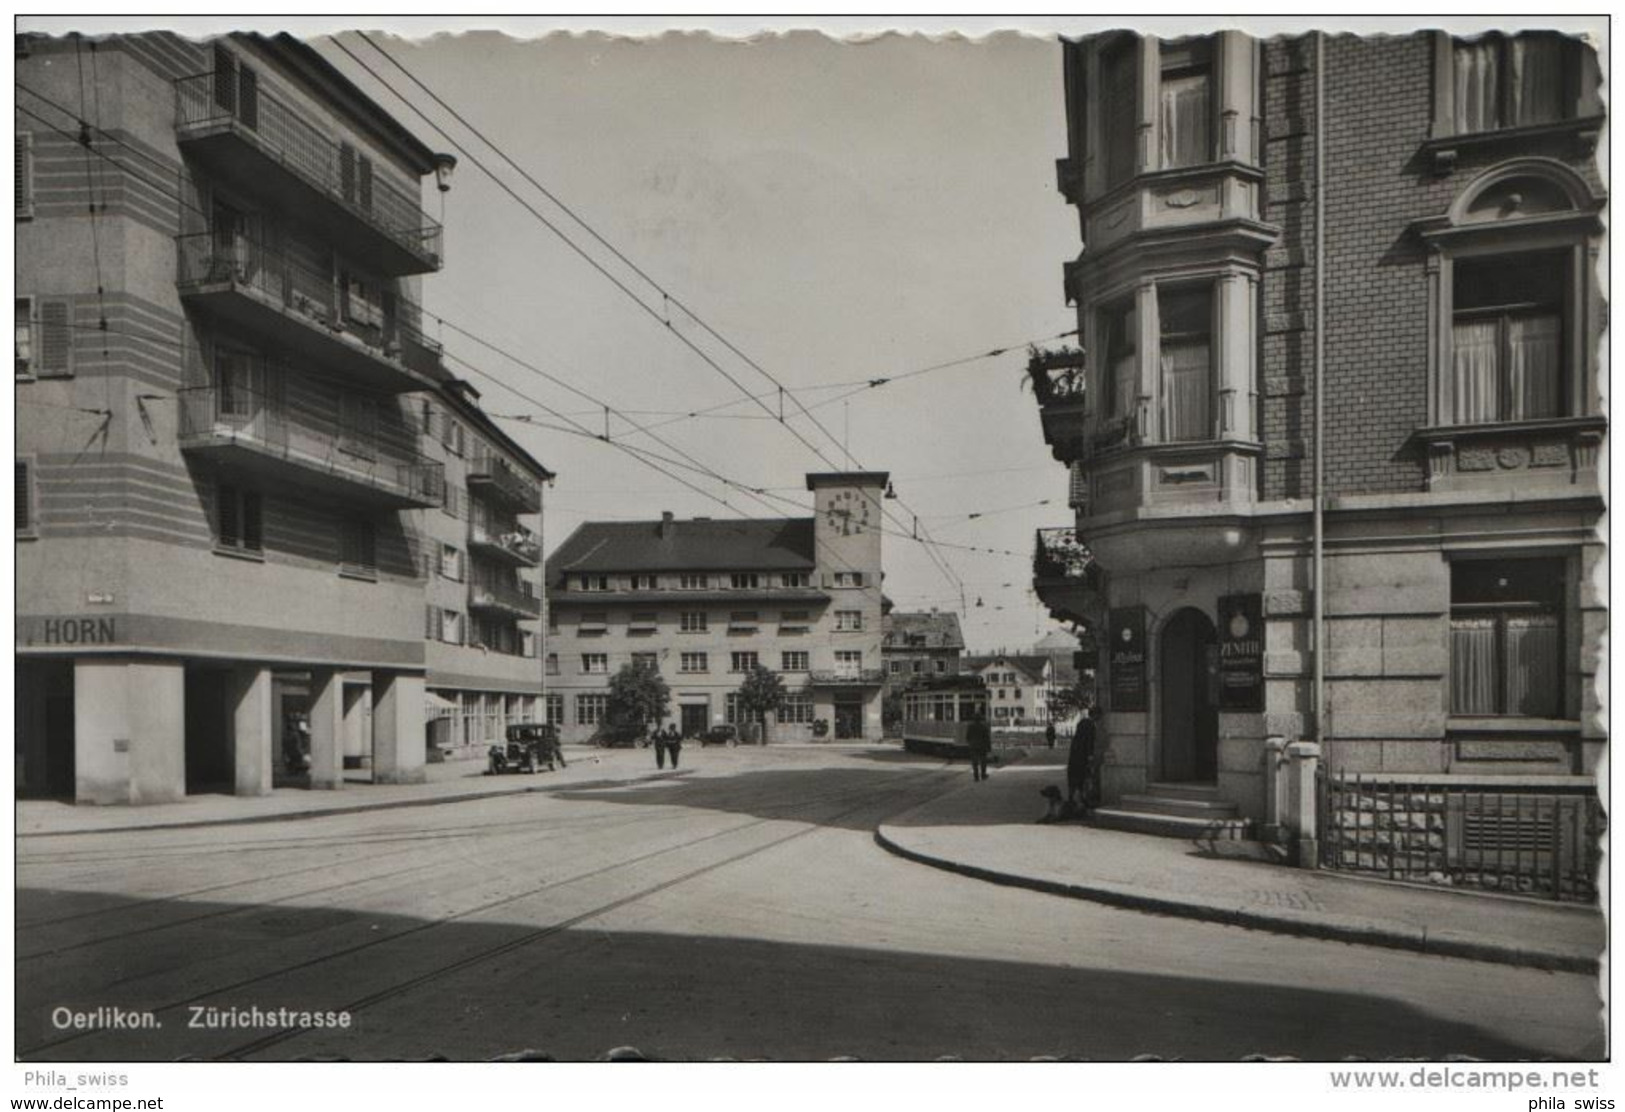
[453,782]
[989,831]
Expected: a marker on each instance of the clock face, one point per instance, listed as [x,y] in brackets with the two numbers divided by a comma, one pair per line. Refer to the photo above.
[848,512]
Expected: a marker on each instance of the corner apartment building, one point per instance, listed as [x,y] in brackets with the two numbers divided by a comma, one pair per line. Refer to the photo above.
[915,644]
[219,471]
[705,601]
[1446,328]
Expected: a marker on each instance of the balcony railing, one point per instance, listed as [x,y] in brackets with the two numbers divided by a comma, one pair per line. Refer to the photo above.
[494,476]
[1059,556]
[518,544]
[847,677]
[514,600]
[372,331]
[260,431]
[282,140]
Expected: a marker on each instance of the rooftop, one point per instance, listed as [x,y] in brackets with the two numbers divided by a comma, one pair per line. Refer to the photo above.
[1029,665]
[697,544]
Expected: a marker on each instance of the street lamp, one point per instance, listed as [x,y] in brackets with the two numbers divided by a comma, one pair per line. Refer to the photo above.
[444,164]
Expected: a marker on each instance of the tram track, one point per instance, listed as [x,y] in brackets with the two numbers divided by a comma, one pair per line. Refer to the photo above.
[794,808]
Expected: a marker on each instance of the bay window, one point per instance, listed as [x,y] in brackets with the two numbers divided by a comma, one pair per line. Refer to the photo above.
[1119,327]
[1185,104]
[1185,318]
[1507,338]
[1506,638]
[1119,98]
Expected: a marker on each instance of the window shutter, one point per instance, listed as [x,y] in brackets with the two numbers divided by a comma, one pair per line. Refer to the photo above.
[248,98]
[225,79]
[364,182]
[347,171]
[25,514]
[23,169]
[230,526]
[56,339]
[253,526]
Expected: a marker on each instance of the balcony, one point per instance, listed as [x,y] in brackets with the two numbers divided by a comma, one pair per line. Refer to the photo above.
[375,342]
[517,546]
[266,148]
[509,600]
[261,434]
[847,677]
[1066,577]
[1057,379]
[492,477]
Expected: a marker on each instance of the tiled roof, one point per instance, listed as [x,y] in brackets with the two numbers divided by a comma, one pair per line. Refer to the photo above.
[1031,666]
[711,544]
[940,629]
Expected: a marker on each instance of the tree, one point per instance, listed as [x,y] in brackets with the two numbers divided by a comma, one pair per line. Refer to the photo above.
[1068,702]
[761,691]
[638,696]
[891,712]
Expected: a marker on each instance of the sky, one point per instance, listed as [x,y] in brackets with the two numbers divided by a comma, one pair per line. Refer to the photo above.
[838,212]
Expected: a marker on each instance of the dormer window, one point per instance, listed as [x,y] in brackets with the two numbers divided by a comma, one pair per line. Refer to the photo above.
[592,582]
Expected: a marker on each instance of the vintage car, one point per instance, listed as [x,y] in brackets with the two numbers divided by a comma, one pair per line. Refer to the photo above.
[720,735]
[528,746]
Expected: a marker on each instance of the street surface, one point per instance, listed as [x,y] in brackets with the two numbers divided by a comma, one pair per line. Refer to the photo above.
[739,908]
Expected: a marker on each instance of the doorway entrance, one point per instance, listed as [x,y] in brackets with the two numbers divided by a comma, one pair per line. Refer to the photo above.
[696,719]
[1188,684]
[848,721]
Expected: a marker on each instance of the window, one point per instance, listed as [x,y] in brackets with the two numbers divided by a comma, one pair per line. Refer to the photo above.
[358,549]
[643,624]
[552,620]
[849,579]
[794,579]
[695,662]
[744,581]
[595,664]
[590,708]
[692,621]
[895,667]
[454,436]
[1119,108]
[238,522]
[53,329]
[795,662]
[24,344]
[1503,81]
[552,664]
[23,175]
[645,583]
[796,710]
[1507,338]
[742,662]
[452,500]
[743,621]
[1506,638]
[1186,104]
[592,582]
[355,177]
[427,418]
[848,621]
[647,661]
[942,666]
[27,516]
[236,87]
[794,621]
[1185,318]
[555,710]
[592,622]
[848,663]
[360,301]
[736,715]
[693,582]
[916,666]
[1119,337]
[451,562]
[451,627]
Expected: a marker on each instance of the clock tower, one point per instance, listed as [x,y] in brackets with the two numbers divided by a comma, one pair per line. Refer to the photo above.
[848,525]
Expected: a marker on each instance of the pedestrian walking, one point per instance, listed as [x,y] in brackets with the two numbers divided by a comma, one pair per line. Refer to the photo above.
[674,744]
[1080,761]
[658,740]
[980,740]
[1049,735]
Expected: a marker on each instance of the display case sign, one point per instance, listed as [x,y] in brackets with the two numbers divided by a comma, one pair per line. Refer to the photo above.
[1241,652]
[1127,659]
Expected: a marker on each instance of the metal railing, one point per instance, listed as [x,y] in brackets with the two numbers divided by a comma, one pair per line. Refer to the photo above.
[317,296]
[1059,554]
[305,150]
[835,677]
[506,596]
[519,541]
[263,421]
[1530,841]
[515,488]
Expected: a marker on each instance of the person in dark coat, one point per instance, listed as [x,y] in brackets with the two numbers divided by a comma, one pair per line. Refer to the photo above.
[980,740]
[657,738]
[674,743]
[1049,735]
[1080,761]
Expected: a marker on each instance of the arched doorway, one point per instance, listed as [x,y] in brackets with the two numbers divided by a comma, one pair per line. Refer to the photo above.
[1187,681]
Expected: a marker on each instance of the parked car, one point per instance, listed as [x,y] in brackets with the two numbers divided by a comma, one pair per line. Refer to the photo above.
[527,746]
[720,735]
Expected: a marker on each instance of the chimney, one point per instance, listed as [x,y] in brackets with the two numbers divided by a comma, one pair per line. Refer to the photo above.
[665,523]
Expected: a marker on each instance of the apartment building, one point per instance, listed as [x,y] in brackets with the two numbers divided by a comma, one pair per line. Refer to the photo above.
[221,475]
[704,601]
[1443,337]
[1019,687]
[917,644]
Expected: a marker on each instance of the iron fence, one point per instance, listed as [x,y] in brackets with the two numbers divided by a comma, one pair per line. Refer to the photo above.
[1527,840]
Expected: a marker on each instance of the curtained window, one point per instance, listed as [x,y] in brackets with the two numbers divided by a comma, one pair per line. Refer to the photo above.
[1185,105]
[1119,326]
[1506,638]
[1119,109]
[1507,338]
[1185,317]
[1505,81]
